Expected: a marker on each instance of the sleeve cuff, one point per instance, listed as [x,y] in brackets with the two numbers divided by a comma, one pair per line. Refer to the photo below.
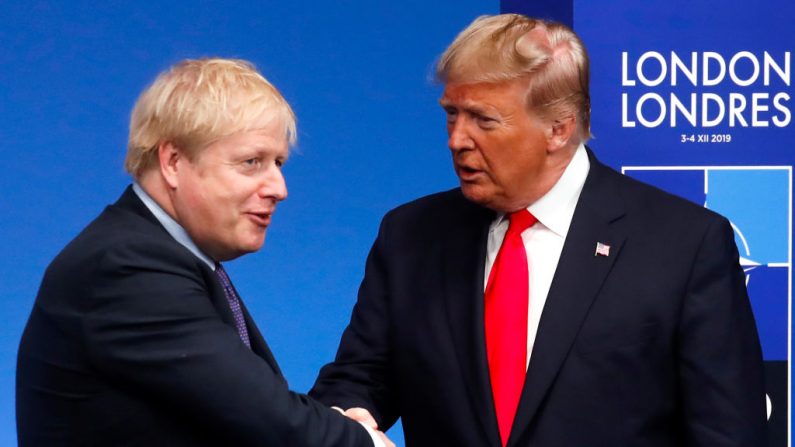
[377,442]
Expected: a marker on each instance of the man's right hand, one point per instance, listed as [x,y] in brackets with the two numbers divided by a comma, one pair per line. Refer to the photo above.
[363,416]
[359,414]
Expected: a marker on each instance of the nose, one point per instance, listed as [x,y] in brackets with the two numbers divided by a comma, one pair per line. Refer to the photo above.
[273,185]
[458,136]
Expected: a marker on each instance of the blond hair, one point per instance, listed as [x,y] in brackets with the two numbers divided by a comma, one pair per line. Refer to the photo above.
[196,102]
[511,46]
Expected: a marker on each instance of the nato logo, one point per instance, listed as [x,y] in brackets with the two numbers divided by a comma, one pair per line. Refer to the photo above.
[756,200]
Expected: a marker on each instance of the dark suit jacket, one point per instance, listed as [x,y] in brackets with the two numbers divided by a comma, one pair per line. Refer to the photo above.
[652,345]
[131,342]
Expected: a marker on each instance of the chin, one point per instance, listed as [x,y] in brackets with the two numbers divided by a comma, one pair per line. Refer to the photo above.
[255,244]
[488,200]
[477,195]
[243,247]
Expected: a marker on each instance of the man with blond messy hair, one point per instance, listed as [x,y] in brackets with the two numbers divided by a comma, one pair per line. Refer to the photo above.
[548,301]
[137,336]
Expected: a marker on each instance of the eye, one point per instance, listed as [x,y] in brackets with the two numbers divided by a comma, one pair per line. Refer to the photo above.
[486,122]
[451,114]
[279,162]
[252,164]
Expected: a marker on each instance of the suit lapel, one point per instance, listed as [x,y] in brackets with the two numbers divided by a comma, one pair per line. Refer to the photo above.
[578,277]
[464,260]
[221,304]
[258,344]
[129,201]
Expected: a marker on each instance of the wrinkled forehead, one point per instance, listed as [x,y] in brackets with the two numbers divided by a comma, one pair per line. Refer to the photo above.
[485,95]
[267,135]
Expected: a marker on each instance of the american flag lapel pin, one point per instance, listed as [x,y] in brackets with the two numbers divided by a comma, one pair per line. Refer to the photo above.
[602,249]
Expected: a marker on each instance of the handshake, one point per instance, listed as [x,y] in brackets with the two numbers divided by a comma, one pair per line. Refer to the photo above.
[368,421]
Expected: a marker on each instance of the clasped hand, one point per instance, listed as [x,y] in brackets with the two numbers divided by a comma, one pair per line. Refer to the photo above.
[363,416]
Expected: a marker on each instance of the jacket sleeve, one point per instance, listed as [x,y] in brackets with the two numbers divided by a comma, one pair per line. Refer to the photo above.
[720,361]
[361,375]
[151,327]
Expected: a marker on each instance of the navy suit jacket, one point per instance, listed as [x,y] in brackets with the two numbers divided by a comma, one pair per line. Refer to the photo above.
[652,345]
[131,342]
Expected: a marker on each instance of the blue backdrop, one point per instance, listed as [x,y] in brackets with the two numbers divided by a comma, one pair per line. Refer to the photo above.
[371,136]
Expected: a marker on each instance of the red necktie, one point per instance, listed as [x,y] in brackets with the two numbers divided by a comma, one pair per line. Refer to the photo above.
[507,297]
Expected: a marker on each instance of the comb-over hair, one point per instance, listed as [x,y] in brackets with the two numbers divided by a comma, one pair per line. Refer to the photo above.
[511,46]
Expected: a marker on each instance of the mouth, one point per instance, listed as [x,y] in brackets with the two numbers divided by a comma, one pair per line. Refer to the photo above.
[468,174]
[260,218]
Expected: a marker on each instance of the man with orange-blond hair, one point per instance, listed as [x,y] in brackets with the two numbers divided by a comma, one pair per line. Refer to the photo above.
[137,336]
[549,301]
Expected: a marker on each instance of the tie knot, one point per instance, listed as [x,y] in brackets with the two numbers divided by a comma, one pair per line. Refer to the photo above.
[520,221]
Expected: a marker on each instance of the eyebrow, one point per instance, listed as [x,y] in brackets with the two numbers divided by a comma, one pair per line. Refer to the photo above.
[264,149]
[467,107]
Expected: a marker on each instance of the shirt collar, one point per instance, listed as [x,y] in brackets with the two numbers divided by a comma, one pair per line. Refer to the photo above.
[555,209]
[172,227]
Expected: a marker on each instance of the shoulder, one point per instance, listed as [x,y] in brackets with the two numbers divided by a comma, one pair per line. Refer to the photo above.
[647,202]
[443,208]
[425,222]
[119,244]
[118,229]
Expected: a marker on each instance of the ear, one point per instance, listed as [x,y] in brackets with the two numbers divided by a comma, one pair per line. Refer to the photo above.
[169,157]
[560,132]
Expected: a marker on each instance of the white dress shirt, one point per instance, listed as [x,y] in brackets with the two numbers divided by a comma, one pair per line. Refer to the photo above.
[543,242]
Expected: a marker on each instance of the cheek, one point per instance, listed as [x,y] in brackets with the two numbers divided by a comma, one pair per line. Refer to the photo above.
[225,195]
[500,159]
[194,200]
[211,208]
[246,201]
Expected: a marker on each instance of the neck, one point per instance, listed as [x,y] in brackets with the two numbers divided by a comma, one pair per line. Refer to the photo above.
[557,162]
[156,187]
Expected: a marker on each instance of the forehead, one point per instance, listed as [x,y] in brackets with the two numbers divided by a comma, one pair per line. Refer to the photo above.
[485,95]
[271,140]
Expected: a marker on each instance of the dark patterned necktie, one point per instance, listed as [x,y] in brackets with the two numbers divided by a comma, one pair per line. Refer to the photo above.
[234,303]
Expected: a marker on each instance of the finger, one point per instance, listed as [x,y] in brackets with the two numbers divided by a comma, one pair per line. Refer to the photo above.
[363,416]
